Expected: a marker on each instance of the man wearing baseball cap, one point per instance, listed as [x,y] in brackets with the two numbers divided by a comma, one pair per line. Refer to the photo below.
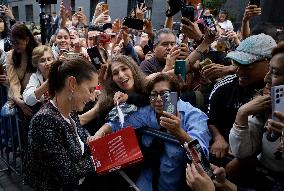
[252,60]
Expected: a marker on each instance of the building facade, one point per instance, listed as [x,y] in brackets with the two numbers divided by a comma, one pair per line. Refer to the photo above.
[29,10]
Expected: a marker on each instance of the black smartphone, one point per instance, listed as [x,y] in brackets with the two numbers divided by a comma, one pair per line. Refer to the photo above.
[95,57]
[255,2]
[133,23]
[196,155]
[2,69]
[188,12]
[170,102]
[107,26]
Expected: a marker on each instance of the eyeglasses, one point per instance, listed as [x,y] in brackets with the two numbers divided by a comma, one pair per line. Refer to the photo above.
[154,95]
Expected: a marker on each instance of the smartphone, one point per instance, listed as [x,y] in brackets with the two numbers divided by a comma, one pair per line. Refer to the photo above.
[255,2]
[133,23]
[107,26]
[170,102]
[2,71]
[205,62]
[277,96]
[209,22]
[103,38]
[180,68]
[63,51]
[188,12]
[104,7]
[72,55]
[95,57]
[67,5]
[80,9]
[195,153]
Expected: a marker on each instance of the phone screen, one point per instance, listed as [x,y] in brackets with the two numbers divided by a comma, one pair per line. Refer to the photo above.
[133,23]
[196,155]
[210,23]
[180,68]
[170,102]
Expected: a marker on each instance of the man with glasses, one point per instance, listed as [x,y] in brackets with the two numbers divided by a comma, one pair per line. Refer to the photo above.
[228,95]
[164,45]
[189,124]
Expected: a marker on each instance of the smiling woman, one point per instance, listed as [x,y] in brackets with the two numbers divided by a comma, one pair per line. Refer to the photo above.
[62,40]
[57,144]
[37,87]
[124,83]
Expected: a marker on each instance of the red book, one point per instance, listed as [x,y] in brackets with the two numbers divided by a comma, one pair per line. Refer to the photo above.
[116,150]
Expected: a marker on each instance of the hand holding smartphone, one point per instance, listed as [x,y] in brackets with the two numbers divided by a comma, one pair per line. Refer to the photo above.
[195,153]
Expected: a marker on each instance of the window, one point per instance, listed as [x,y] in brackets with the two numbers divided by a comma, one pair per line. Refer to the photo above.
[15,11]
[29,13]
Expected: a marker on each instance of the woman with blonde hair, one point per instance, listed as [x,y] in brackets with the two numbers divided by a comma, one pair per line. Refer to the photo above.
[36,90]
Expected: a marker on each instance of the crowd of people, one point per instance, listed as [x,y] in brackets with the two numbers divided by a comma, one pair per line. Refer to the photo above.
[66,94]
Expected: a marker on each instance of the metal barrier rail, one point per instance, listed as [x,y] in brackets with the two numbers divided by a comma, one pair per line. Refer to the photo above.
[10,132]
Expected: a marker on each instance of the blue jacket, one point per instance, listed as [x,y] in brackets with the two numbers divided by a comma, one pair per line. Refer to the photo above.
[173,161]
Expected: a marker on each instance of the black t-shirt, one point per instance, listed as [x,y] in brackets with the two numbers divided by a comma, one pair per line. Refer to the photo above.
[151,66]
[225,100]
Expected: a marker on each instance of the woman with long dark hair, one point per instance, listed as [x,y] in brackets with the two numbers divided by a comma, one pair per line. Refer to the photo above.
[19,64]
[5,43]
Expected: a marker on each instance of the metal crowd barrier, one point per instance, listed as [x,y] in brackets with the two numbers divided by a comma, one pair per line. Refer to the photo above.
[10,140]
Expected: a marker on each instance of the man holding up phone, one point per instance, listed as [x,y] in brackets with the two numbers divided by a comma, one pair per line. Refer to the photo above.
[250,11]
[166,52]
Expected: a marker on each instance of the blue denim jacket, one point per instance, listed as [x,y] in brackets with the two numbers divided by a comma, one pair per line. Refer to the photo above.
[173,161]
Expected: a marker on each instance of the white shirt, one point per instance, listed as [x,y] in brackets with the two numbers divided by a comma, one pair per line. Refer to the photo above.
[226,25]
[35,81]
[2,44]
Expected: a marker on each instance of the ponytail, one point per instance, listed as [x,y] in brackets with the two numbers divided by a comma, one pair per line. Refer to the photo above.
[81,69]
